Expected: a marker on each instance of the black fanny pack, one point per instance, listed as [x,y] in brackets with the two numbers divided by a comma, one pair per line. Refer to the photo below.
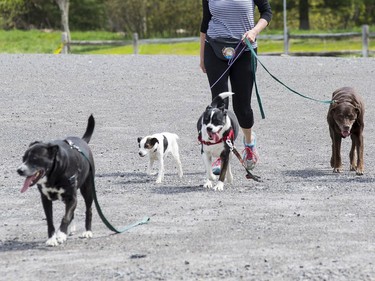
[225,48]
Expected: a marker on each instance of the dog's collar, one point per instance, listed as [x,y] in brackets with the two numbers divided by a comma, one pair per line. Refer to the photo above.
[229,136]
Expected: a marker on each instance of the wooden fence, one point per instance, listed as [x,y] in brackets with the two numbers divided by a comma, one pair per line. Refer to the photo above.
[136,42]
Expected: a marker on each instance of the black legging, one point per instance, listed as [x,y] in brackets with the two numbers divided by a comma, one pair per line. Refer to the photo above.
[241,80]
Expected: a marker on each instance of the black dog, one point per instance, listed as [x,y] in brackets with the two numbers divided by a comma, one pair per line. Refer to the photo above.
[216,127]
[59,168]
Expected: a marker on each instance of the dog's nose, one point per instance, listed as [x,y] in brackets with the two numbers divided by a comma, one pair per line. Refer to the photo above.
[20,171]
[346,128]
[209,129]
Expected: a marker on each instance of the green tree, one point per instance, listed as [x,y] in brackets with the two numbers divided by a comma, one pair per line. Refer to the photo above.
[304,21]
[128,15]
[154,18]
[11,11]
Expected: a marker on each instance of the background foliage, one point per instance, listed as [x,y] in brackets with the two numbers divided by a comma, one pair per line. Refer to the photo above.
[171,18]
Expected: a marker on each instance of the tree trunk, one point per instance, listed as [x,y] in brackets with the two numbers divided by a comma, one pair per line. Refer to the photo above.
[64,8]
[304,23]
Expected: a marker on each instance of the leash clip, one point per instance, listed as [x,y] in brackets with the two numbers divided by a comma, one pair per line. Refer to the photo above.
[230,144]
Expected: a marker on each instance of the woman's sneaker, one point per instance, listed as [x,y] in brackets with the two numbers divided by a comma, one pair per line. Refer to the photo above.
[216,166]
[250,154]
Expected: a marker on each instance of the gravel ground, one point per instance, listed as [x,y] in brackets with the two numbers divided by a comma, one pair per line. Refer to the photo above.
[301,223]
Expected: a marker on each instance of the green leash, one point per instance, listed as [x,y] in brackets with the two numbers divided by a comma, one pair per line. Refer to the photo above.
[101,215]
[254,60]
[107,223]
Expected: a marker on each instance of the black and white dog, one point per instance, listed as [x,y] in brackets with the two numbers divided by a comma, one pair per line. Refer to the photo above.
[60,168]
[157,146]
[216,127]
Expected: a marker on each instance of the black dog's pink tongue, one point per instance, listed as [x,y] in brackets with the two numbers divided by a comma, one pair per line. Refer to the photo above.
[27,183]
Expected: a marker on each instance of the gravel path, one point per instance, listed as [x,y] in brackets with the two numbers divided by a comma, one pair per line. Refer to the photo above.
[301,223]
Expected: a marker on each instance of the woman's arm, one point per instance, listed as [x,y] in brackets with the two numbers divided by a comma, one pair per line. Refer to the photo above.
[204,26]
[265,18]
[201,51]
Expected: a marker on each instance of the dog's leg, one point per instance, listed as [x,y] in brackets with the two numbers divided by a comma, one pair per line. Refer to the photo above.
[176,156]
[224,168]
[47,206]
[336,163]
[150,165]
[207,159]
[70,206]
[356,154]
[360,155]
[160,176]
[72,228]
[353,152]
[210,175]
[86,191]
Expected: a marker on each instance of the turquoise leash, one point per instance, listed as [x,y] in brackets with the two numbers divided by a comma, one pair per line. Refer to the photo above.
[254,60]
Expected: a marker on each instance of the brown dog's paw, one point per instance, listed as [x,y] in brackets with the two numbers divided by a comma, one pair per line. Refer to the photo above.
[359,172]
[337,170]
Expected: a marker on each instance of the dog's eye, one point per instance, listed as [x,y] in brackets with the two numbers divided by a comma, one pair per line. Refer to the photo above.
[34,158]
[206,119]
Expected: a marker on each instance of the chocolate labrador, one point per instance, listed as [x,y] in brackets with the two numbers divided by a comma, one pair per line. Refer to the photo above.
[345,118]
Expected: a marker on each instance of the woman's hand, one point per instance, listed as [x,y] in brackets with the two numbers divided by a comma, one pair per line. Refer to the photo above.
[251,35]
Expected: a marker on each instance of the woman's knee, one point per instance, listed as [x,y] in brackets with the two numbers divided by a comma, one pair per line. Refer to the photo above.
[245,117]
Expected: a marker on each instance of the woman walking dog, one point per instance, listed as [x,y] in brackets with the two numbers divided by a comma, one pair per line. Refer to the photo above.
[225,24]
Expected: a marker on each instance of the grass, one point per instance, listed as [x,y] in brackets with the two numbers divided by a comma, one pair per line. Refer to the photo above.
[47,42]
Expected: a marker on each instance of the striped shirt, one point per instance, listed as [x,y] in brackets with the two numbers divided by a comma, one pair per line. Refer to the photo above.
[232,18]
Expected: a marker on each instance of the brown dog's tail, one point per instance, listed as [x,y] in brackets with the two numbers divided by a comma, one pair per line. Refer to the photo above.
[90,129]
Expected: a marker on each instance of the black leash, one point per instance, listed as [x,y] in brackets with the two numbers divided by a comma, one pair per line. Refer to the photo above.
[100,212]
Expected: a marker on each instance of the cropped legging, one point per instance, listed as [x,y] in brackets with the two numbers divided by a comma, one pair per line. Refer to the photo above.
[240,75]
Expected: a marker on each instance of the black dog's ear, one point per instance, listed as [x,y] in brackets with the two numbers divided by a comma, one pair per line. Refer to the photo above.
[139,139]
[53,149]
[34,142]
[153,141]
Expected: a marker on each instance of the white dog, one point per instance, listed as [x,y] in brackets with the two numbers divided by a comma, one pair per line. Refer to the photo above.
[157,146]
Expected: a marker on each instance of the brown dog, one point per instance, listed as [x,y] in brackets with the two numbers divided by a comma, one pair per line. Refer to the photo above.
[345,118]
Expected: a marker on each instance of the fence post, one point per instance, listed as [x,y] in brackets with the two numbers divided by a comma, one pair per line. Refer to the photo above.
[286,42]
[365,40]
[135,43]
[65,43]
